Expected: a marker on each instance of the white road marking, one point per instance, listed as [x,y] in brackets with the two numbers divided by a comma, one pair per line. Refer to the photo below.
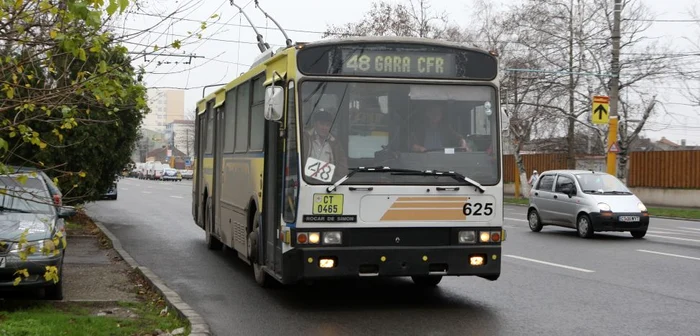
[125,188]
[687,228]
[684,239]
[670,255]
[146,192]
[549,263]
[674,231]
[515,219]
[176,196]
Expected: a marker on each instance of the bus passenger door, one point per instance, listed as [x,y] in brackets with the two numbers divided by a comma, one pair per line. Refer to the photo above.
[272,188]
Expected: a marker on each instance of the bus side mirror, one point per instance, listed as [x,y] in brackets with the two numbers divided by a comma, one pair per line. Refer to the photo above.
[274,103]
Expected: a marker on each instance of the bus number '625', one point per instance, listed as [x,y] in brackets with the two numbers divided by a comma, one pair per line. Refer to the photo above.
[477,209]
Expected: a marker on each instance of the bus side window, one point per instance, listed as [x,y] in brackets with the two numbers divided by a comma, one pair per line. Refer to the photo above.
[291,182]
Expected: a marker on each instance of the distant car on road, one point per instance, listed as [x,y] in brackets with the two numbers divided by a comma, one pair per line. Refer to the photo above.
[587,201]
[187,174]
[170,174]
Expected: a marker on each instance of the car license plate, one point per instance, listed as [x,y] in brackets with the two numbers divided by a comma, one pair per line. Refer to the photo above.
[2,262]
[629,218]
[328,204]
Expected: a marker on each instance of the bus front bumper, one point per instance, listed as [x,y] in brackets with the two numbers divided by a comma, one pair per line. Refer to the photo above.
[349,262]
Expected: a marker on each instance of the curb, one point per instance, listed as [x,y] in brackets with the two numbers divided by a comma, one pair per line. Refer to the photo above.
[198,326]
[652,216]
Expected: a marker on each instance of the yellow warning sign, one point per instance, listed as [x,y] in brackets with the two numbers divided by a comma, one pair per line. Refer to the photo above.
[600,114]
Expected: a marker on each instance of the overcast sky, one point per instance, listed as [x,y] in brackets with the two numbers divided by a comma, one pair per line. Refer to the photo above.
[228,49]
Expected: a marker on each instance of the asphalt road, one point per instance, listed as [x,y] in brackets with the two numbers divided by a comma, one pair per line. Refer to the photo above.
[553,283]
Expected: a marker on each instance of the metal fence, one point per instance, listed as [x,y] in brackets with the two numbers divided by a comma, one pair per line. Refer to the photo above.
[659,169]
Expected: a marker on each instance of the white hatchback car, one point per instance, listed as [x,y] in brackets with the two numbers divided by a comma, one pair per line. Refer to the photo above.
[587,201]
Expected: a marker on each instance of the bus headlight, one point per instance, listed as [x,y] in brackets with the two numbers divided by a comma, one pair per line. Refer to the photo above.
[332,237]
[314,238]
[467,237]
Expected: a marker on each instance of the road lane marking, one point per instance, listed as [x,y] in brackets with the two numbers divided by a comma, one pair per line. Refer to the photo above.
[675,232]
[125,188]
[515,219]
[684,239]
[176,196]
[146,192]
[670,255]
[549,263]
[687,228]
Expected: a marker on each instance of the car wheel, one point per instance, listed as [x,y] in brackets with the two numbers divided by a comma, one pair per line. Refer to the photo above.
[533,219]
[638,234]
[584,227]
[426,280]
[261,277]
[213,243]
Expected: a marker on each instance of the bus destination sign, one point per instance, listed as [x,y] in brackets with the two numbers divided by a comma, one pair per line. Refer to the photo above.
[397,60]
[397,63]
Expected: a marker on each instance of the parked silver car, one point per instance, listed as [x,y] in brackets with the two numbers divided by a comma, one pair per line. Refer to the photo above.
[587,201]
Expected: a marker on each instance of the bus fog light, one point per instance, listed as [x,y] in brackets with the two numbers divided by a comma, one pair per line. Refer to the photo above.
[302,238]
[326,262]
[333,237]
[485,237]
[314,238]
[496,236]
[467,237]
[476,260]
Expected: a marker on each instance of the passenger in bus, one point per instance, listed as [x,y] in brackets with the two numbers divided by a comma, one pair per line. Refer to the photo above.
[437,134]
[320,144]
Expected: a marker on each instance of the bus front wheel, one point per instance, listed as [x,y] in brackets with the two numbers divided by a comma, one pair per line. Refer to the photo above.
[261,277]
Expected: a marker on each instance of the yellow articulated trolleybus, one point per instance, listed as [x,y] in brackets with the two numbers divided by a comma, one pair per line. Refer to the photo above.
[356,157]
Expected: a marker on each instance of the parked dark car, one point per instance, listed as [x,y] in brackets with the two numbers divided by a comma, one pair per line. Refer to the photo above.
[111,192]
[56,194]
[26,208]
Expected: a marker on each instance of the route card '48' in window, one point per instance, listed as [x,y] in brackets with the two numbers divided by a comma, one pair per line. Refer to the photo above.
[320,170]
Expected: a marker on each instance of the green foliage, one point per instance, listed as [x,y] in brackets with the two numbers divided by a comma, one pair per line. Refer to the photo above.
[70,102]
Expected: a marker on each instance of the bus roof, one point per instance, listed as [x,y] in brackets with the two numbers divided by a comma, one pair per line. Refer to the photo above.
[394,39]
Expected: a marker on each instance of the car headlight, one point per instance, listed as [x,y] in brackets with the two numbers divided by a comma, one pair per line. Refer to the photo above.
[641,207]
[604,207]
[38,245]
[467,237]
[332,237]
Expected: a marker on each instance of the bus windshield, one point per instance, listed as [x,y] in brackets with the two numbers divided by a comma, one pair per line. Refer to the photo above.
[404,126]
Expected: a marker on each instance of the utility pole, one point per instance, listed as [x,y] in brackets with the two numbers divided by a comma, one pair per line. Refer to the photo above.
[614,88]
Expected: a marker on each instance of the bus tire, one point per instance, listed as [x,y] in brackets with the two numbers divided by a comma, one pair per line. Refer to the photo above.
[261,277]
[426,280]
[213,243]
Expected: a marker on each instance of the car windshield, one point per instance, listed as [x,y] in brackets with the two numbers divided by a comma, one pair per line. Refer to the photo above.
[401,126]
[601,183]
[24,196]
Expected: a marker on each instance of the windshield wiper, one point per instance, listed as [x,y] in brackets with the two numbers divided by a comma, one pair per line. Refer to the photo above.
[590,191]
[377,169]
[3,209]
[457,176]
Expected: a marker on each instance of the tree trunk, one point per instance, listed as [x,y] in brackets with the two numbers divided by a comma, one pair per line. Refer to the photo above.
[571,145]
[623,164]
[522,174]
